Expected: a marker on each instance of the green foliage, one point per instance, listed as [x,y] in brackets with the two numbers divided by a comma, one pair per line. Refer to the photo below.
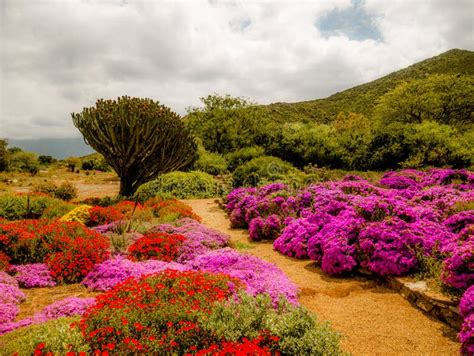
[65,191]
[264,169]
[3,155]
[46,159]
[299,331]
[182,185]
[72,163]
[243,155]
[225,124]
[210,162]
[15,207]
[23,161]
[139,138]
[433,144]
[447,99]
[95,162]
[363,98]
[57,335]
[306,143]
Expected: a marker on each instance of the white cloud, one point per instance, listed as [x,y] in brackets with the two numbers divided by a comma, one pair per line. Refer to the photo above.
[57,57]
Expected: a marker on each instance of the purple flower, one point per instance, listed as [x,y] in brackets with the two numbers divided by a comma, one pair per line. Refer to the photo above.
[32,275]
[8,312]
[259,276]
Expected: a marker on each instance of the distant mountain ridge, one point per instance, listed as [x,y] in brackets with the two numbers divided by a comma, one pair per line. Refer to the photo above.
[363,98]
[59,148]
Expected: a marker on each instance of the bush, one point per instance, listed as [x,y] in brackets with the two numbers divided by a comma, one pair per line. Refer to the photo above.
[156,313]
[81,214]
[210,162]
[65,191]
[95,162]
[70,249]
[262,170]
[57,336]
[297,331]
[103,215]
[156,246]
[16,206]
[243,155]
[170,210]
[182,185]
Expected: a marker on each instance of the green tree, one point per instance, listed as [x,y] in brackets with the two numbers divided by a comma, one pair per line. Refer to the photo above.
[23,161]
[3,155]
[224,124]
[139,138]
[447,99]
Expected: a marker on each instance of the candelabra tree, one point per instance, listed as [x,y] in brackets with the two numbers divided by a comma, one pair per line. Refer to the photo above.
[139,138]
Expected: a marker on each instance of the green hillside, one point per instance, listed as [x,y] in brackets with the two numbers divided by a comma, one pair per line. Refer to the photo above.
[363,98]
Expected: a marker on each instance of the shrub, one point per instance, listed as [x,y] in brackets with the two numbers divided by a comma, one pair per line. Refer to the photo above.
[294,330]
[103,215]
[32,275]
[156,246]
[97,201]
[261,170]
[4,262]
[210,162]
[81,214]
[95,162]
[182,185]
[65,191]
[16,206]
[69,249]
[55,336]
[156,313]
[170,210]
[239,157]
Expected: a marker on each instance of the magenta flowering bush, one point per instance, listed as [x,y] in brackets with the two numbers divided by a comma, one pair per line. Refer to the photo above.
[265,228]
[382,227]
[32,275]
[66,307]
[258,276]
[199,238]
[108,274]
[8,312]
[466,308]
[10,297]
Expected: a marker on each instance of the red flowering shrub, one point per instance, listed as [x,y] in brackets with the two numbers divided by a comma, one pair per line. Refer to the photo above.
[157,313]
[70,249]
[4,262]
[264,345]
[171,209]
[156,246]
[99,215]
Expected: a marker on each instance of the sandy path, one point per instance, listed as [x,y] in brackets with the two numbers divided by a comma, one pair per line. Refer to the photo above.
[373,319]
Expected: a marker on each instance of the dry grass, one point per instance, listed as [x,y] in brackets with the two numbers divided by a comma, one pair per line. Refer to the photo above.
[38,298]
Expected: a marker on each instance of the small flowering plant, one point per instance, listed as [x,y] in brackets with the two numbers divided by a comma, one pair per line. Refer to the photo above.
[158,246]
[156,313]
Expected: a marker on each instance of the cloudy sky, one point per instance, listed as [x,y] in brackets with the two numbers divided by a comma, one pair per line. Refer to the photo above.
[58,56]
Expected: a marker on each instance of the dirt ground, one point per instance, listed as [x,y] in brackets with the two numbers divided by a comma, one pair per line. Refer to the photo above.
[373,319]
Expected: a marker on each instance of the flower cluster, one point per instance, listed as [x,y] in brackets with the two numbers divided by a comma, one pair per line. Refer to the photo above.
[258,276]
[199,238]
[99,215]
[32,275]
[10,297]
[68,248]
[66,307]
[466,308]
[158,246]
[170,209]
[108,274]
[156,313]
[79,214]
[350,223]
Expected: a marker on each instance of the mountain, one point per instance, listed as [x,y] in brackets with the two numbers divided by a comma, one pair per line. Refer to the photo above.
[363,98]
[59,148]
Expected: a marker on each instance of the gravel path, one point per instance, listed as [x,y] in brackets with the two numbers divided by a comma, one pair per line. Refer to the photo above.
[373,319]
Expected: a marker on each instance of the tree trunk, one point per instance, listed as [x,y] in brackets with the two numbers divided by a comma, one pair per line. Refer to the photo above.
[126,188]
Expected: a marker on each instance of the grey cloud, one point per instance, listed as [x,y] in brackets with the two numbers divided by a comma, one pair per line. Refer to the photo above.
[57,57]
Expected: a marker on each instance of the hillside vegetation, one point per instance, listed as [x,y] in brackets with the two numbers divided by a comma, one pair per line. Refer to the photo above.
[363,98]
